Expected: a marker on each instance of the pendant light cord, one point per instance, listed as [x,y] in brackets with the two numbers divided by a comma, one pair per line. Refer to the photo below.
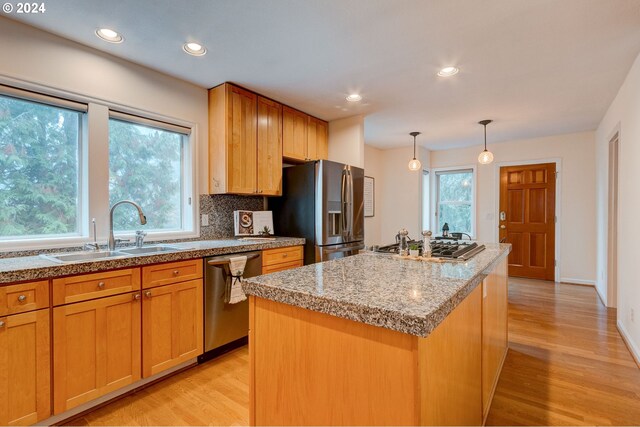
[485,137]
[414,145]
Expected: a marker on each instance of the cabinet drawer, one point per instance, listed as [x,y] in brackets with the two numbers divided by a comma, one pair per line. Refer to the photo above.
[282,266]
[89,286]
[24,297]
[280,255]
[171,272]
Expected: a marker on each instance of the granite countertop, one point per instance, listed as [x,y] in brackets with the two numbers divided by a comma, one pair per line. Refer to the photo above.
[405,295]
[35,267]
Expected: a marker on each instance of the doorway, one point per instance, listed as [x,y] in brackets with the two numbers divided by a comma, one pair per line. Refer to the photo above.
[612,227]
[527,219]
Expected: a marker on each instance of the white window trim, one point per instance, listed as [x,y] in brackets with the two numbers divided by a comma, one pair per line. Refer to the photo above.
[426,225]
[95,204]
[435,195]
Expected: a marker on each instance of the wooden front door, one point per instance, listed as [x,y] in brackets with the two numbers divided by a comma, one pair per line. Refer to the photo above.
[527,219]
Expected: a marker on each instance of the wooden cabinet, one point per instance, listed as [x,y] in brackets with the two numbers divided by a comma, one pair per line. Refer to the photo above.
[84,287]
[96,348]
[237,164]
[24,297]
[269,147]
[171,272]
[173,321]
[304,137]
[281,259]
[25,368]
[494,331]
[294,134]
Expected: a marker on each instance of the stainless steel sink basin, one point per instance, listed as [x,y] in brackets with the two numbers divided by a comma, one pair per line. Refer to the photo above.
[82,256]
[151,249]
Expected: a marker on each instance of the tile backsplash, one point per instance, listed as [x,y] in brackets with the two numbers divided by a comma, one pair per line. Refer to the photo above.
[220,209]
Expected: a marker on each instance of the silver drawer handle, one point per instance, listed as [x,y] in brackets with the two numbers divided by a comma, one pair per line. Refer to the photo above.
[176,272]
[136,297]
[22,298]
[1,323]
[101,285]
[147,294]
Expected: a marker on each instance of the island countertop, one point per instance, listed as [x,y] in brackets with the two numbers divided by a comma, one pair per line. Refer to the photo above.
[404,295]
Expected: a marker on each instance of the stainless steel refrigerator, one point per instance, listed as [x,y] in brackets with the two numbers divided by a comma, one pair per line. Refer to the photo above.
[323,202]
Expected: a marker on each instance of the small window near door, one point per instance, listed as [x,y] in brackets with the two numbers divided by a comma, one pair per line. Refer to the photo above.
[455,190]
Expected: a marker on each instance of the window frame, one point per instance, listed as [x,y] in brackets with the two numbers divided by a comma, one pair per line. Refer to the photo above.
[93,168]
[435,200]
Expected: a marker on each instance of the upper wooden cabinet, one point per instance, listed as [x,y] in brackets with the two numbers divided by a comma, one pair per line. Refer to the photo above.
[294,134]
[269,147]
[232,140]
[304,137]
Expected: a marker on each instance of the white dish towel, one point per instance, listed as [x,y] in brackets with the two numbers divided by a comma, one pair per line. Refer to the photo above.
[236,266]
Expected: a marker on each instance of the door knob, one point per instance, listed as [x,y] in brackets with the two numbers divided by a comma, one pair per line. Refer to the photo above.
[503,226]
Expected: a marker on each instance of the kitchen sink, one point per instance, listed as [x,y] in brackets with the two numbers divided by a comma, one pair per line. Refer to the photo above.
[151,249]
[82,256]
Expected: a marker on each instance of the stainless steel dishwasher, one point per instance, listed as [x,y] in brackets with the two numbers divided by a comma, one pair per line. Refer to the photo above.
[226,326]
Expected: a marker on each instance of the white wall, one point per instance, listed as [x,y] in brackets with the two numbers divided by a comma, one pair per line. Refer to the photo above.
[34,56]
[346,141]
[576,151]
[622,115]
[398,193]
[373,167]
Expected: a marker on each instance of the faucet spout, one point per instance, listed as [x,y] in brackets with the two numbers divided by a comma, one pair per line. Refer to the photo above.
[143,220]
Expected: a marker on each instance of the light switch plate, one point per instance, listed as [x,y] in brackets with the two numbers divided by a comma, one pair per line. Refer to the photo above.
[204,220]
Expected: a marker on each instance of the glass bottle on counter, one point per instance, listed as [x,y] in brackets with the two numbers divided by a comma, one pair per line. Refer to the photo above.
[403,245]
[426,244]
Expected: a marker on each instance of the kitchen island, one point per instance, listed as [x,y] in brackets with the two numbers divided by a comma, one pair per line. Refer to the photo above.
[377,340]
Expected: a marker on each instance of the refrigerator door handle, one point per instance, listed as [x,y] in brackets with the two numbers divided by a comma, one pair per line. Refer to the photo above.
[344,207]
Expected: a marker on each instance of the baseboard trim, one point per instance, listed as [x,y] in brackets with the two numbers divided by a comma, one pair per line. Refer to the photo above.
[600,297]
[633,349]
[572,281]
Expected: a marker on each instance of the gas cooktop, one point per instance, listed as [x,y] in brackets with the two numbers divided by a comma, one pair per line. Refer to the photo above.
[452,250]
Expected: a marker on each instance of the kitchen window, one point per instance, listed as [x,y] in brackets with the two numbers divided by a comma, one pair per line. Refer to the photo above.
[40,152]
[147,165]
[54,155]
[455,190]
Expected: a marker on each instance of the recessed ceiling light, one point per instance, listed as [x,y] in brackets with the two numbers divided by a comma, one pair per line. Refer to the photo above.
[354,97]
[109,35]
[448,71]
[194,49]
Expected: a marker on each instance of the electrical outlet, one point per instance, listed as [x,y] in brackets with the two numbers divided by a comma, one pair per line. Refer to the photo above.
[204,220]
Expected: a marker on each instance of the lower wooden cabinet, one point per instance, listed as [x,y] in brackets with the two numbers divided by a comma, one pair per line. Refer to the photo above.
[25,368]
[494,331]
[172,319]
[279,259]
[96,348]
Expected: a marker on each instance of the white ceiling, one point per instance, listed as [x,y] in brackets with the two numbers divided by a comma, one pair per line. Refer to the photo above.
[536,67]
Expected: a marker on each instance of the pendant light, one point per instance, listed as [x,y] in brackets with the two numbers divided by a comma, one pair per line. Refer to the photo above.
[414,164]
[486,156]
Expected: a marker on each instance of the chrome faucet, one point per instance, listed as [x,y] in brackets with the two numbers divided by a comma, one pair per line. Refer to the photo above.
[143,220]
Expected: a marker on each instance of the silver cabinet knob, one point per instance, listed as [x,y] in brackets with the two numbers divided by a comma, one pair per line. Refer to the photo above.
[22,298]
[136,297]
[101,285]
[176,272]
[1,323]
[285,255]
[147,294]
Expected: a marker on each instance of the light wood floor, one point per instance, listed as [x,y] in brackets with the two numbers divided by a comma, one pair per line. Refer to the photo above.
[566,365]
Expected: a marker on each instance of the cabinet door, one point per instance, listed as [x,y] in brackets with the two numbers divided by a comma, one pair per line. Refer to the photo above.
[96,349]
[24,368]
[312,139]
[241,140]
[294,134]
[494,330]
[269,147]
[172,324]
[322,140]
